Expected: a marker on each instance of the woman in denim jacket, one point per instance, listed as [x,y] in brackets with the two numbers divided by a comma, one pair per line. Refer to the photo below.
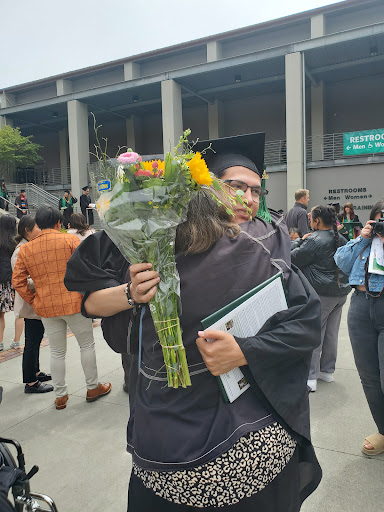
[366,324]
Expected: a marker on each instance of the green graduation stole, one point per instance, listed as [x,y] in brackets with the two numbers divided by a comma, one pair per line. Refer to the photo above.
[263,212]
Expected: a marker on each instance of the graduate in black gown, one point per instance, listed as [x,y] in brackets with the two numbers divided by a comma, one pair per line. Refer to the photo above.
[85,201]
[191,436]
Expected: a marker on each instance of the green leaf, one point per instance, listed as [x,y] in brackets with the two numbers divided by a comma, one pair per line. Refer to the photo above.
[216,185]
[16,149]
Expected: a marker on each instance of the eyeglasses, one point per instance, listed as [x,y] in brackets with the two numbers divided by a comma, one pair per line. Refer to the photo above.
[256,192]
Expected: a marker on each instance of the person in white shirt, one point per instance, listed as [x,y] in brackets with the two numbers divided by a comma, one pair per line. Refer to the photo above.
[78,226]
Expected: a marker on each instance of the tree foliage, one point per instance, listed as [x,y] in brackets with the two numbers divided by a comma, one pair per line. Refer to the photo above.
[16,149]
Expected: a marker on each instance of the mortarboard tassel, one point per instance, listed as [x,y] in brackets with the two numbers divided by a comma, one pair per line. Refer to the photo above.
[263,212]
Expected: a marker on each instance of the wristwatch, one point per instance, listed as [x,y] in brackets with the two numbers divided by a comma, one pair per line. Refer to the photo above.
[127,292]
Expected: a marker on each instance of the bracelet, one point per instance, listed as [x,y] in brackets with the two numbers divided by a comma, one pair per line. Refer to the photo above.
[127,292]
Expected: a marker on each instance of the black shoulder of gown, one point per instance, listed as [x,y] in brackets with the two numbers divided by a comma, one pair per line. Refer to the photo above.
[95,265]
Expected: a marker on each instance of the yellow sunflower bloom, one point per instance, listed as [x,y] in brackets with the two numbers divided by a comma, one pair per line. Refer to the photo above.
[199,170]
[148,166]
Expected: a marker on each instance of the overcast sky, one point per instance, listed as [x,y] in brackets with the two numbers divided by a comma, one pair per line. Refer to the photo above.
[45,37]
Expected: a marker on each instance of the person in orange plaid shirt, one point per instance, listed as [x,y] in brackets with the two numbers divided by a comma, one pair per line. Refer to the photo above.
[45,259]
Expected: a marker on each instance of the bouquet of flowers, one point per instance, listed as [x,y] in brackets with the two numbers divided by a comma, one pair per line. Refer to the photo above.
[140,206]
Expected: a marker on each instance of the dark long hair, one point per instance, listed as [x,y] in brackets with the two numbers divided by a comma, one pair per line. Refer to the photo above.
[7,234]
[350,206]
[79,222]
[376,209]
[328,215]
[206,223]
[26,223]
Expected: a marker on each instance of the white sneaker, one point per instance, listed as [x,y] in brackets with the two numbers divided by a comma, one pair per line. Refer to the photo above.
[1,346]
[15,344]
[326,377]
[312,384]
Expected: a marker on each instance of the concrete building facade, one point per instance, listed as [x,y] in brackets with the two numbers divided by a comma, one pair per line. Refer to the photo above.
[304,80]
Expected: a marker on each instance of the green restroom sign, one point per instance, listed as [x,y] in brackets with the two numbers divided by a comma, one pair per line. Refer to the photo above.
[360,143]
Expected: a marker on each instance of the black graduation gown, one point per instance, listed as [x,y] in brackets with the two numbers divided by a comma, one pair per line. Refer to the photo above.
[85,201]
[278,357]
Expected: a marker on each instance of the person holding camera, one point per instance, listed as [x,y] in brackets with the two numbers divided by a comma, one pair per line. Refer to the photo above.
[362,260]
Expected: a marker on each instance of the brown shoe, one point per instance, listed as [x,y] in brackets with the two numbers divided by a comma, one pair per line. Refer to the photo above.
[102,389]
[61,402]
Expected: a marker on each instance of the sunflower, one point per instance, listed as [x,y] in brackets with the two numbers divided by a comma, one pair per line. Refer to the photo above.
[148,166]
[199,170]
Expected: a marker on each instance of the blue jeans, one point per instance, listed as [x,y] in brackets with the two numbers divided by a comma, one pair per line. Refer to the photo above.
[366,332]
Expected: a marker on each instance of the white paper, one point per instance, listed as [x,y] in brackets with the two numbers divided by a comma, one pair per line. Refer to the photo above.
[376,255]
[247,320]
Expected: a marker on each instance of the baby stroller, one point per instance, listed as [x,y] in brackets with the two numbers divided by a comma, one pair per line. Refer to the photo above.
[14,478]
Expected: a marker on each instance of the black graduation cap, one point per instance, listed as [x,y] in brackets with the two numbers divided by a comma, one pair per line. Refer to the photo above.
[249,146]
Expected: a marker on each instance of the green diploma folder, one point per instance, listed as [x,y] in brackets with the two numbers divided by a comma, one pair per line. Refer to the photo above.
[244,317]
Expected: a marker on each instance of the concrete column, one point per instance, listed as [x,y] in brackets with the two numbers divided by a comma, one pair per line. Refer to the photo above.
[78,145]
[318,26]
[64,156]
[317,121]
[63,87]
[4,120]
[317,97]
[214,51]
[295,124]
[215,119]
[131,71]
[131,132]
[172,114]
[7,100]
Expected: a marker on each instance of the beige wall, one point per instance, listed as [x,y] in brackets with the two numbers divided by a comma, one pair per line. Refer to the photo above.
[277,190]
[268,38]
[323,182]
[365,15]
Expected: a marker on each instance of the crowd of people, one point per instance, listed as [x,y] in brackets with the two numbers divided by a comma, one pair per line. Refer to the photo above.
[253,454]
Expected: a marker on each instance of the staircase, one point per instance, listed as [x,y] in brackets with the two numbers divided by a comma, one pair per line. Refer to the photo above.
[37,197]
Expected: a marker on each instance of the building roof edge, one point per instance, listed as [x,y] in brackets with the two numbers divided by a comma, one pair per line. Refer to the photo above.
[343,4]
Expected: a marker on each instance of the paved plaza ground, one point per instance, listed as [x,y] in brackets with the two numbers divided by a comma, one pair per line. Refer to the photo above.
[81,450]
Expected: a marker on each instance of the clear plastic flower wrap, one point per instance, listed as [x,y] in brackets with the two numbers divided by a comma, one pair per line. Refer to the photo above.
[140,205]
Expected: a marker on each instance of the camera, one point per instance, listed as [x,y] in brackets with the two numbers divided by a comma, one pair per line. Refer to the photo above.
[378,226]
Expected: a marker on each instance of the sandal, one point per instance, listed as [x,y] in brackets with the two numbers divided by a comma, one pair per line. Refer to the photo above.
[377,441]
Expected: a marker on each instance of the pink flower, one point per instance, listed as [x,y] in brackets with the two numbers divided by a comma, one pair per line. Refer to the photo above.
[129,158]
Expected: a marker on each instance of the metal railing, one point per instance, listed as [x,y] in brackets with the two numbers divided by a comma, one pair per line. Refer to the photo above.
[36,196]
[275,152]
[327,147]
[44,176]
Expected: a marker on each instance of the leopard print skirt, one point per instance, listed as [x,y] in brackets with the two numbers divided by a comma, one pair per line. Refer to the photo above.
[244,470]
[7,297]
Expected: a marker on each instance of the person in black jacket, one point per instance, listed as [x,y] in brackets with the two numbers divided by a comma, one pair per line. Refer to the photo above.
[313,254]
